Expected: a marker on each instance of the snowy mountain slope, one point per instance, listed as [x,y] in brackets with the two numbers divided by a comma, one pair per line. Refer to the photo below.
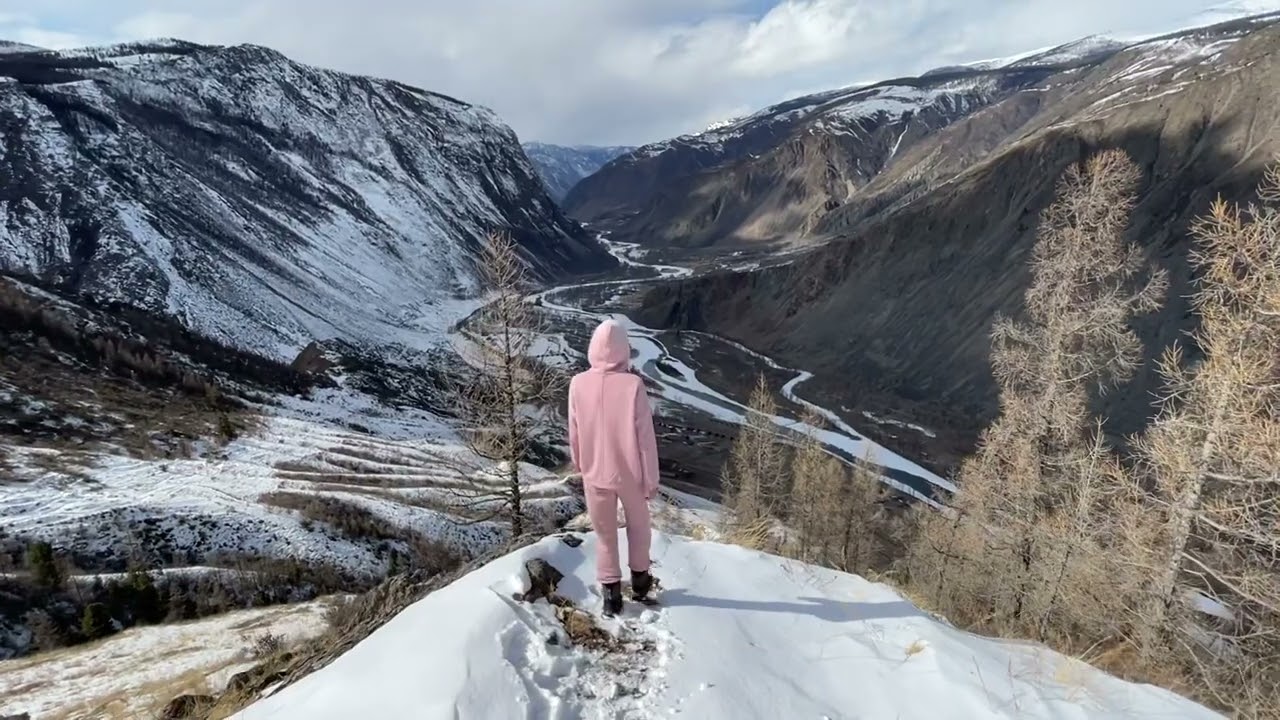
[776,175]
[561,167]
[1099,47]
[739,635]
[260,201]
[1230,10]
[127,441]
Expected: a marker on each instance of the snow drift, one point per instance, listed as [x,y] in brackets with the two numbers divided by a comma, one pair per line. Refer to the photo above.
[739,635]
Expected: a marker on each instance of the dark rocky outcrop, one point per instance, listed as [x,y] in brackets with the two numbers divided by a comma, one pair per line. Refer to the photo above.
[543,580]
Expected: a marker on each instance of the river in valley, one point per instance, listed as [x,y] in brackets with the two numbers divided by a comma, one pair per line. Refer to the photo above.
[677,383]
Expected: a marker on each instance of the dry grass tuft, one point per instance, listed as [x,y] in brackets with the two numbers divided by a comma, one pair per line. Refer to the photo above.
[582,630]
[757,534]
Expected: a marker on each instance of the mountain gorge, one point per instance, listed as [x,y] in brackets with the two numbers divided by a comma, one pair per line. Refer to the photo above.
[910,227]
[262,202]
[561,167]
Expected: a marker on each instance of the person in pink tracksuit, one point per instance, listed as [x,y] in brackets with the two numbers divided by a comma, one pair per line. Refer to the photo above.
[613,446]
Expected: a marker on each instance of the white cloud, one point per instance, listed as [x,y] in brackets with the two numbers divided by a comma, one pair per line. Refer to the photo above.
[25,28]
[617,71]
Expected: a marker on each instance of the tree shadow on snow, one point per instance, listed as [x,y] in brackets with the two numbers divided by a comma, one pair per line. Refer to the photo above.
[821,608]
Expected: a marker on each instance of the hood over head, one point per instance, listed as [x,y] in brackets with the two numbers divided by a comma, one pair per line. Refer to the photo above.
[609,348]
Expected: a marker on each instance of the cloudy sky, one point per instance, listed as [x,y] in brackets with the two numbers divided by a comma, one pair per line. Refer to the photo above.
[611,71]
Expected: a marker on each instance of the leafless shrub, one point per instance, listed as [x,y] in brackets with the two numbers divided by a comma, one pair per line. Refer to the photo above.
[349,519]
[267,645]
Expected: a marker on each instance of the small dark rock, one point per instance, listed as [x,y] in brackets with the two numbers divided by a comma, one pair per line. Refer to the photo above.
[187,706]
[19,716]
[313,360]
[543,579]
[572,541]
[553,638]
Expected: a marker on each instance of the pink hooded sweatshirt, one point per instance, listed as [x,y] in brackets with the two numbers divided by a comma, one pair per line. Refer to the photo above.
[611,434]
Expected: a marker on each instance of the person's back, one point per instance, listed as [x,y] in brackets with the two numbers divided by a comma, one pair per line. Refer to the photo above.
[613,446]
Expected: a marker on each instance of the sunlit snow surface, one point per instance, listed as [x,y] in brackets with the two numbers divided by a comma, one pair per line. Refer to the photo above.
[738,635]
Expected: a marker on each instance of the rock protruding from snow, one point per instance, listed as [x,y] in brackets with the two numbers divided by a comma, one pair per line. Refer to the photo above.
[543,580]
[739,634]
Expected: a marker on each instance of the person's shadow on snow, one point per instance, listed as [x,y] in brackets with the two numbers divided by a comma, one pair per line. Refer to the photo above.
[822,608]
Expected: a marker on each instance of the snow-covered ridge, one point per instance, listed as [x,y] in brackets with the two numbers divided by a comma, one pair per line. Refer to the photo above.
[784,113]
[859,101]
[1097,46]
[8,46]
[132,53]
[738,634]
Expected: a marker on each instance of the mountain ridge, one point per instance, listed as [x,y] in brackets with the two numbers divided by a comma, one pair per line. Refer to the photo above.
[247,194]
[563,166]
[894,310]
[713,187]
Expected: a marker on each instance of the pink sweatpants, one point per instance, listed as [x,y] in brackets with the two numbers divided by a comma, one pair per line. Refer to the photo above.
[602,508]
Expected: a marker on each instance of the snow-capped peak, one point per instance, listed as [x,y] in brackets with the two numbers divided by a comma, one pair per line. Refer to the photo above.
[737,634]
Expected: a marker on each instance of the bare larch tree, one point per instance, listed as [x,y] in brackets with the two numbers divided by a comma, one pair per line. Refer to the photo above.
[1029,496]
[507,389]
[1214,452]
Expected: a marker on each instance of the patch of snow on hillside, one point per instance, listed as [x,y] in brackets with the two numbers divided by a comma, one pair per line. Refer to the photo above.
[415,476]
[1070,52]
[738,634]
[890,100]
[161,662]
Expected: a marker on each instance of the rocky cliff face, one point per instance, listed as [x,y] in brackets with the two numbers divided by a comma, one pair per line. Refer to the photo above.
[900,300]
[561,167]
[261,202]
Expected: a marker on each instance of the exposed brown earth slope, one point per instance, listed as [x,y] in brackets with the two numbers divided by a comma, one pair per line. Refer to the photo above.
[898,303]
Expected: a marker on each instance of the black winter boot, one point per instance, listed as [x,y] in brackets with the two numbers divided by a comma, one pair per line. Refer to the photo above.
[641,584]
[612,598]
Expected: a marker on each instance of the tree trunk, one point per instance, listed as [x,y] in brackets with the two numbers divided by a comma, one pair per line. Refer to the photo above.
[1181,520]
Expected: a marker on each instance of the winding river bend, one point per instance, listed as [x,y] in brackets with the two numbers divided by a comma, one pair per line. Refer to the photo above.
[678,383]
